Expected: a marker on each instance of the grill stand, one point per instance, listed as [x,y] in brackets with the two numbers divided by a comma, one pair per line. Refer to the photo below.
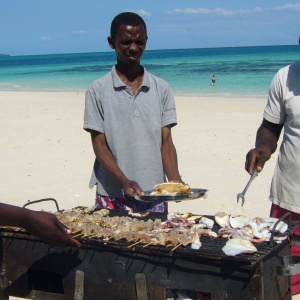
[32,269]
[141,287]
[79,285]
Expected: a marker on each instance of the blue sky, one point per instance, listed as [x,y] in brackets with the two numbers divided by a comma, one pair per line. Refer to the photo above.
[74,26]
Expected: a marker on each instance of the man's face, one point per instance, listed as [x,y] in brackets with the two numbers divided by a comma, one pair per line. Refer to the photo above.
[129,43]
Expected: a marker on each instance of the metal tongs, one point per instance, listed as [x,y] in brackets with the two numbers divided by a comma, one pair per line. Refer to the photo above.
[242,194]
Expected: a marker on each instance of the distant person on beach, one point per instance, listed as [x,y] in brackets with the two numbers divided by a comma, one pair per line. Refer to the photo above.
[213,80]
[282,112]
[129,114]
[42,224]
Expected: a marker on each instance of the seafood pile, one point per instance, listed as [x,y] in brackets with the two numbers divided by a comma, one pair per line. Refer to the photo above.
[178,230]
[243,232]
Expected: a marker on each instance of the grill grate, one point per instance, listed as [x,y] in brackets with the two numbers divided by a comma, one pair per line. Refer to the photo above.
[210,249]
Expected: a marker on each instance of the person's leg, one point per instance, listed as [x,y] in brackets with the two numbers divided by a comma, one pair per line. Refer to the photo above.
[278,212]
[110,203]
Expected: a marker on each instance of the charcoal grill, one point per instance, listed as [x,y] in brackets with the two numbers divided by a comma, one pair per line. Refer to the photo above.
[32,269]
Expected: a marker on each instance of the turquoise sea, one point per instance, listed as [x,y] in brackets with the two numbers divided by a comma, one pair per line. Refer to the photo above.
[240,71]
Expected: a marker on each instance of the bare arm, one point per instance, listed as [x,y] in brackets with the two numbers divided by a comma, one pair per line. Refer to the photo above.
[105,157]
[42,224]
[265,145]
[169,155]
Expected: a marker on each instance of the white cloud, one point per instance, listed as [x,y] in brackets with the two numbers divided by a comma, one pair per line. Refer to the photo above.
[258,9]
[141,12]
[219,11]
[241,11]
[225,12]
[79,33]
[295,6]
[45,38]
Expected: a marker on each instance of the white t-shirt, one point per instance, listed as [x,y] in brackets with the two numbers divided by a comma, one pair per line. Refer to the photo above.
[283,107]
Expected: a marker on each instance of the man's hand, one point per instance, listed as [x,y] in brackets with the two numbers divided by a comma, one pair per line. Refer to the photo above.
[257,157]
[47,227]
[265,145]
[130,188]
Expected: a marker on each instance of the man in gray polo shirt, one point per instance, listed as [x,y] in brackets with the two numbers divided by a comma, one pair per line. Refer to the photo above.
[129,113]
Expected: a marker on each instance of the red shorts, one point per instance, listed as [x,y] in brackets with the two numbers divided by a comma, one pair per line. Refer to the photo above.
[110,203]
[278,212]
[121,203]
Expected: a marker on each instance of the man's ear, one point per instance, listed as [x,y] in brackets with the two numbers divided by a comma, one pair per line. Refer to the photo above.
[111,42]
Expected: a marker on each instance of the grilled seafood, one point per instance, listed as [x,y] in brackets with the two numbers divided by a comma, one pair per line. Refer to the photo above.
[238,246]
[178,230]
[171,188]
[137,214]
[222,219]
[256,230]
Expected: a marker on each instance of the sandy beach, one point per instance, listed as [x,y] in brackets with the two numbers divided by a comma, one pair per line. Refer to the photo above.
[45,153]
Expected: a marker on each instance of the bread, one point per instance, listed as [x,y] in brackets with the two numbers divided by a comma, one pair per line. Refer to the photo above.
[171,188]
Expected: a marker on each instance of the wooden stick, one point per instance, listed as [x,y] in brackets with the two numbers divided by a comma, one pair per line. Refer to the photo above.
[133,239]
[132,245]
[76,235]
[151,243]
[108,238]
[120,238]
[92,235]
[87,235]
[176,247]
[76,232]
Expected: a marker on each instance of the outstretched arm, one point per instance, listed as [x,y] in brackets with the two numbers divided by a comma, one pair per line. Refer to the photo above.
[42,224]
[169,156]
[265,145]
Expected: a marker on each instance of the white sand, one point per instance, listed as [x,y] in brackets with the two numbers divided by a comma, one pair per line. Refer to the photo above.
[45,153]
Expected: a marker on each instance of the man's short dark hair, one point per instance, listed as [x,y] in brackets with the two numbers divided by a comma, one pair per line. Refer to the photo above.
[128,18]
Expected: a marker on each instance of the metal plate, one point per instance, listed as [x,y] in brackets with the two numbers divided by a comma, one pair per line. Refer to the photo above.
[196,193]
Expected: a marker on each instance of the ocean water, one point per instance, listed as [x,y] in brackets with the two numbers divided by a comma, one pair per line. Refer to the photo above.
[240,71]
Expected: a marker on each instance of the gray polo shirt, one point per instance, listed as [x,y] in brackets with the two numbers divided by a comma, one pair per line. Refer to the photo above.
[132,125]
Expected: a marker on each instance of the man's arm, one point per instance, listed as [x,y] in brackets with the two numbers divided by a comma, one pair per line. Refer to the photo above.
[265,145]
[105,157]
[42,224]
[169,155]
